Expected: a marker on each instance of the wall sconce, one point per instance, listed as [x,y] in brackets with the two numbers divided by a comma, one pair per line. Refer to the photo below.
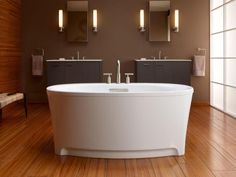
[95,20]
[141,25]
[60,20]
[176,25]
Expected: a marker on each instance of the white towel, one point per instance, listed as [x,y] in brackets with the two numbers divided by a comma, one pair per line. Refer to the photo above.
[199,65]
[37,65]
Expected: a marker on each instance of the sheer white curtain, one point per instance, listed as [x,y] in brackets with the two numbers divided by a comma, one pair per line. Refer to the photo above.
[223,55]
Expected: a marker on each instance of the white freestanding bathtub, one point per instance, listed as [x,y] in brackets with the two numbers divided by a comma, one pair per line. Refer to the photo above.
[120,120]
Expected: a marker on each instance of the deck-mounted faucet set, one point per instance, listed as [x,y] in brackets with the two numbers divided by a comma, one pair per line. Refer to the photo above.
[159,56]
[118,75]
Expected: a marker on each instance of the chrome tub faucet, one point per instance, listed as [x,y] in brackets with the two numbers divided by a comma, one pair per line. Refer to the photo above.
[118,72]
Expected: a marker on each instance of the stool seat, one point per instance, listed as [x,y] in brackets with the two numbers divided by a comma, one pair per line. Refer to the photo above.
[6,99]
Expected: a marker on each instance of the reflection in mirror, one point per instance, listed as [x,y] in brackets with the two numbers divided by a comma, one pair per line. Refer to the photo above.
[159,20]
[77,30]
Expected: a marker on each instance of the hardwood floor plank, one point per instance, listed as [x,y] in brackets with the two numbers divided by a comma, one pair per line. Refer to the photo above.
[212,158]
[225,173]
[211,136]
[70,166]
[145,168]
[116,168]
[132,168]
[167,167]
[193,166]
[218,120]
[22,162]
[47,161]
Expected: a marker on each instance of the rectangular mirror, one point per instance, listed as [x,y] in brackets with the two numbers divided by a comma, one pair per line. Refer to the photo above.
[159,20]
[77,27]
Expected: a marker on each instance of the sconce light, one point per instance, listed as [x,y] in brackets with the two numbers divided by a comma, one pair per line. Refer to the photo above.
[95,20]
[176,25]
[141,26]
[60,20]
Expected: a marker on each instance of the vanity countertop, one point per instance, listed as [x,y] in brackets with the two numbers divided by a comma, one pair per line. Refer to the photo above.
[74,60]
[139,60]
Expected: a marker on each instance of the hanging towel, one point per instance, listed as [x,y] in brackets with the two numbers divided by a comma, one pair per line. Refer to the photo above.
[199,65]
[37,65]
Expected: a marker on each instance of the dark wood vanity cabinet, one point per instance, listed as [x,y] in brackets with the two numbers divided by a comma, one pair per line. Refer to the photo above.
[164,71]
[62,72]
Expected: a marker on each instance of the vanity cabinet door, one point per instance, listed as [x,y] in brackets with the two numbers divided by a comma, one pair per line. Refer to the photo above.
[90,72]
[55,72]
[162,72]
[181,72]
[83,72]
[72,72]
[145,72]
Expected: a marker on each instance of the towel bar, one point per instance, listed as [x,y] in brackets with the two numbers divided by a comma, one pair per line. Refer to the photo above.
[202,49]
[38,51]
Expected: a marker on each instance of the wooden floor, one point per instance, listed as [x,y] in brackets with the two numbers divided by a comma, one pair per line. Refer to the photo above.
[26,149]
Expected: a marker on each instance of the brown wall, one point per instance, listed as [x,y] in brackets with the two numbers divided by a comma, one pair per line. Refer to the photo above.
[118,38]
[10,49]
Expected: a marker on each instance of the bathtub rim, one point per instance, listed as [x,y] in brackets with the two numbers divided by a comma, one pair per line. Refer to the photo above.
[187,91]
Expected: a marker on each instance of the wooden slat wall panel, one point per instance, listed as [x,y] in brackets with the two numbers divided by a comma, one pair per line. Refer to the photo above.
[10,45]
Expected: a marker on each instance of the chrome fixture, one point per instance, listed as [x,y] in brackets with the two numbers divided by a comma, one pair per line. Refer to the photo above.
[118,72]
[77,53]
[153,57]
[128,77]
[83,57]
[202,50]
[159,54]
[108,77]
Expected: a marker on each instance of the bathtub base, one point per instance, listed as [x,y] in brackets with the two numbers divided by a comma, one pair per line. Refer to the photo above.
[119,154]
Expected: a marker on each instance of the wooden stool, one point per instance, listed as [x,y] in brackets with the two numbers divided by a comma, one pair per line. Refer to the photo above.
[6,99]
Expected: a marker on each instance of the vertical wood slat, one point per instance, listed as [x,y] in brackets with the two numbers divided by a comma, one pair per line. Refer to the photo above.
[10,45]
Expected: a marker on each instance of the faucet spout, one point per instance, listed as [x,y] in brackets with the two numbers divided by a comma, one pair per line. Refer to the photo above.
[118,72]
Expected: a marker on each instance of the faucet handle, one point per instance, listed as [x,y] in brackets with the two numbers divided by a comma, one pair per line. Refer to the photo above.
[153,57]
[108,77]
[128,77]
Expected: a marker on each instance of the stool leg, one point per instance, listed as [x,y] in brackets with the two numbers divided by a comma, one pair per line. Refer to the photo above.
[25,105]
[0,114]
